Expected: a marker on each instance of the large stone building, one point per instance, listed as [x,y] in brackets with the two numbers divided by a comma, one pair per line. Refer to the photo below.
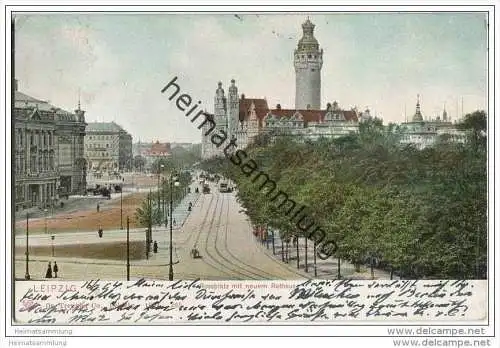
[70,151]
[244,118]
[49,159]
[108,148]
[424,133]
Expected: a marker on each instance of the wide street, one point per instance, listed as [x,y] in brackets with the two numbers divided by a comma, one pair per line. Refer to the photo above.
[215,227]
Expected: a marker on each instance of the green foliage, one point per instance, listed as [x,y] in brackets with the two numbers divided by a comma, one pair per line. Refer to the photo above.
[148,213]
[179,159]
[139,162]
[151,210]
[422,213]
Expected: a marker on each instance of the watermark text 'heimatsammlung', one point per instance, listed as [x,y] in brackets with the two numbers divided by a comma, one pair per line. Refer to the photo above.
[183,101]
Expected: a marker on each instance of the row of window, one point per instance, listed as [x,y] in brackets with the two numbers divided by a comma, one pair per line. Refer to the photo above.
[310,56]
[98,154]
[40,138]
[41,163]
[95,146]
[100,137]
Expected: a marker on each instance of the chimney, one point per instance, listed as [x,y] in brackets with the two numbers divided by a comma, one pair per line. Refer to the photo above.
[278,106]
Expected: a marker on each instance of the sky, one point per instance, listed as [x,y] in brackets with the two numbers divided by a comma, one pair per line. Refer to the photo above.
[119,62]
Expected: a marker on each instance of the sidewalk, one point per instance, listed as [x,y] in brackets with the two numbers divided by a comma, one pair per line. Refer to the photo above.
[325,269]
[161,234]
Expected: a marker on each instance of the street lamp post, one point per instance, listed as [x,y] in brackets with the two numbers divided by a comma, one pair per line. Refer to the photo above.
[45,211]
[128,251]
[172,184]
[314,255]
[297,249]
[305,254]
[52,240]
[27,274]
[160,169]
[121,207]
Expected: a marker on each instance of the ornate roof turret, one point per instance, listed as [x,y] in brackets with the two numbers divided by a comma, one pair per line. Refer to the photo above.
[233,88]
[445,114]
[219,92]
[418,115]
[308,42]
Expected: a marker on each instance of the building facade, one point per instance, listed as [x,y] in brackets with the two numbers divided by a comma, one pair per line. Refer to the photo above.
[424,133]
[108,148]
[245,118]
[49,159]
[152,151]
[70,131]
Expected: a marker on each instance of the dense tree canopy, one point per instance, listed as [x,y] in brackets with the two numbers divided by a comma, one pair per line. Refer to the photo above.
[422,213]
[179,159]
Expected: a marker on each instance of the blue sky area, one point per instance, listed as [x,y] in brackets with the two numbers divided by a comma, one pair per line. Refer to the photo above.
[120,62]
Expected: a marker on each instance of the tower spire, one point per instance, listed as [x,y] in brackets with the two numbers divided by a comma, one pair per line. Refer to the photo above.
[79,99]
[418,115]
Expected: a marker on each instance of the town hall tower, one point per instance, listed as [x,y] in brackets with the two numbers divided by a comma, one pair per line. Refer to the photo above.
[308,61]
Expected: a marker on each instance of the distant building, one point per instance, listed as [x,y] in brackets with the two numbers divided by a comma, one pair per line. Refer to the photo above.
[49,157]
[422,133]
[186,146]
[155,152]
[108,147]
[140,148]
[152,151]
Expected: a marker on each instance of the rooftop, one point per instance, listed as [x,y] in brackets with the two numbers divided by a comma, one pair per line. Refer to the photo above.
[111,127]
[24,101]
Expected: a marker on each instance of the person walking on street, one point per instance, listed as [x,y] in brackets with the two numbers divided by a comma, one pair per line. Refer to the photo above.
[155,247]
[175,223]
[97,207]
[48,274]
[56,269]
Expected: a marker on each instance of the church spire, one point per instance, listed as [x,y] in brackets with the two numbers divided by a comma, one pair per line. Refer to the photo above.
[418,115]
[78,98]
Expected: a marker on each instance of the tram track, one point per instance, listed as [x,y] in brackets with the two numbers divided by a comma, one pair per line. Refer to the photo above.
[275,261]
[207,258]
[222,267]
[253,270]
[234,267]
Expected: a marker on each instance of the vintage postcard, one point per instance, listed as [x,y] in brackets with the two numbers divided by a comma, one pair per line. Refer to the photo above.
[322,170]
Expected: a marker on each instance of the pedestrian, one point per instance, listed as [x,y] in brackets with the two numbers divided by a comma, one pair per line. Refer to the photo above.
[56,269]
[48,274]
[175,223]
[97,207]
[155,247]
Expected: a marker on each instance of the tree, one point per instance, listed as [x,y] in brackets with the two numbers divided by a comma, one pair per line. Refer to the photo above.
[475,123]
[139,162]
[420,212]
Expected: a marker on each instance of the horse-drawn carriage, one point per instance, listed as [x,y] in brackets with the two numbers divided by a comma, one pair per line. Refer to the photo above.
[195,254]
